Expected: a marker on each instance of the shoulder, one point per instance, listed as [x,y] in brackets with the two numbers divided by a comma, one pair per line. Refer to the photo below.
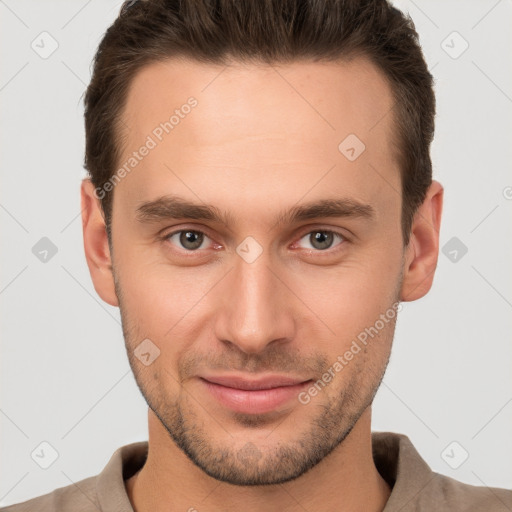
[445,493]
[79,497]
[104,491]
[415,487]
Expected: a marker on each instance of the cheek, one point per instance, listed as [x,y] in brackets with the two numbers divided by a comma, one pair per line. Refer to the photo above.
[351,297]
[162,302]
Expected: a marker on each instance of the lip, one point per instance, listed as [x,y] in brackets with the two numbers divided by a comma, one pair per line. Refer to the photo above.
[254,396]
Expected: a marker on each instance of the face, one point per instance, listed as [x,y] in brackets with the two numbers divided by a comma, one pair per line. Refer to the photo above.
[262,264]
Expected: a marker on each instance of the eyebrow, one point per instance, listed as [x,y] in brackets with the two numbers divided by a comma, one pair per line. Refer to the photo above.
[171,207]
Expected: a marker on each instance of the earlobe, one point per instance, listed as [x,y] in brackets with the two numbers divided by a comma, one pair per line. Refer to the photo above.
[423,248]
[97,251]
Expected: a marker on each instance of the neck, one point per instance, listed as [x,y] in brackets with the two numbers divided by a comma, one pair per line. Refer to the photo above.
[347,479]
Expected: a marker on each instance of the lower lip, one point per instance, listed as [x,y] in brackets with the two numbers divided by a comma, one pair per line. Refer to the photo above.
[256,401]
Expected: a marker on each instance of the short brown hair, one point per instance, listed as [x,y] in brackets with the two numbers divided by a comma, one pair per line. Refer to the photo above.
[269,31]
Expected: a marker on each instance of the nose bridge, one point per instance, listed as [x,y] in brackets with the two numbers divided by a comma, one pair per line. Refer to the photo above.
[254,313]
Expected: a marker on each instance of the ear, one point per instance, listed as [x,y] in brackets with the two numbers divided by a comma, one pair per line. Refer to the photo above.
[97,251]
[423,249]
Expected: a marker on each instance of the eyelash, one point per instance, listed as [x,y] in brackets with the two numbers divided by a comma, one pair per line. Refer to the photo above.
[329,251]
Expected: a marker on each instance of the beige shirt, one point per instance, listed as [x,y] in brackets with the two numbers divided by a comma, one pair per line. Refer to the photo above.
[415,487]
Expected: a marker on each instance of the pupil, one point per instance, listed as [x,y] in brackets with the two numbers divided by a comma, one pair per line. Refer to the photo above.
[191,239]
[322,240]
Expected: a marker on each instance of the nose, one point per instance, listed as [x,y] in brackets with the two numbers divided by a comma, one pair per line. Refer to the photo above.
[255,308]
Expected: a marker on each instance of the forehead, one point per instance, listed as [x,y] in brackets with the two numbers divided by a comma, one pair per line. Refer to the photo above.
[255,123]
[336,95]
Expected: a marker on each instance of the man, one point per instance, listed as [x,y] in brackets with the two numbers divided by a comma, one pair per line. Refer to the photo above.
[260,202]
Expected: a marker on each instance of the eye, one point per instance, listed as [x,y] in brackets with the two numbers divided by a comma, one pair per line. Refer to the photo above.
[321,239]
[188,239]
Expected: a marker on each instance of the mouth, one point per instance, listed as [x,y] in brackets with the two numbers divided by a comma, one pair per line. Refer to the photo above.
[254,396]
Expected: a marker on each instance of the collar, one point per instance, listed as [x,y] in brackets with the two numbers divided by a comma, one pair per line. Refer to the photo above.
[396,459]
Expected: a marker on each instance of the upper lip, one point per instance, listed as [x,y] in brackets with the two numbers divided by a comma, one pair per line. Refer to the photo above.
[267,382]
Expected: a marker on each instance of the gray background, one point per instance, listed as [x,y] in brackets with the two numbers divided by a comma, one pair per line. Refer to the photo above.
[64,373]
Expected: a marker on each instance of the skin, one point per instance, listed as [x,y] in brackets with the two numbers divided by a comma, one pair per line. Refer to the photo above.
[261,140]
